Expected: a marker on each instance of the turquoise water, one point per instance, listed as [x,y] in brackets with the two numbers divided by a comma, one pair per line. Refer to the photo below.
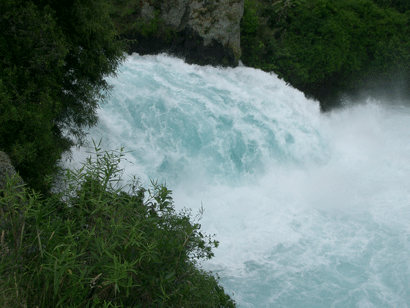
[311,209]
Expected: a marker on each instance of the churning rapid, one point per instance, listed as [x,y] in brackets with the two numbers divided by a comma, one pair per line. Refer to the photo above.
[311,210]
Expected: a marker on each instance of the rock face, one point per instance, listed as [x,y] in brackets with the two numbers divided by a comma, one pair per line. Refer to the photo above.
[7,170]
[201,31]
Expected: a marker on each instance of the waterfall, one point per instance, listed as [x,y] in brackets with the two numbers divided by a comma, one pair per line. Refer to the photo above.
[311,209]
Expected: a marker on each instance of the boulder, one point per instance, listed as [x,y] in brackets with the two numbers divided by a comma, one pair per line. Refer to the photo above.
[7,171]
[203,31]
[9,294]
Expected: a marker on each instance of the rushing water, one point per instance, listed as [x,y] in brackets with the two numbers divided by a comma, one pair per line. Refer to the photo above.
[311,209]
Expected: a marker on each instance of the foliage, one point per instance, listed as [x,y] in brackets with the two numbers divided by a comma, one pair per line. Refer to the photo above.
[95,245]
[33,52]
[136,29]
[328,48]
[400,5]
[54,58]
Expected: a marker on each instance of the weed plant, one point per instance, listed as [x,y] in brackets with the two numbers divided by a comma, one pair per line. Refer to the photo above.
[101,243]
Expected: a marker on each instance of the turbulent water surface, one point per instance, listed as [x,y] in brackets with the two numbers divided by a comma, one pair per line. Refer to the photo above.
[311,209]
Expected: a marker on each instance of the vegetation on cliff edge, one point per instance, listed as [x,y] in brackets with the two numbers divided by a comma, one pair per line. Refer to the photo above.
[98,243]
[331,49]
[55,56]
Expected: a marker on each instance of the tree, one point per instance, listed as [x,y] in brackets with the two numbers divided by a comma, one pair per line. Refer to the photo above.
[54,58]
[330,49]
[400,5]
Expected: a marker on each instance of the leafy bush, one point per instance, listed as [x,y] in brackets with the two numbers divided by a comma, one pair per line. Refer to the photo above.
[55,56]
[95,245]
[327,48]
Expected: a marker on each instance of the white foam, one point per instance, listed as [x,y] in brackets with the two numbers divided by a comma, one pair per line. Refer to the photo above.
[311,210]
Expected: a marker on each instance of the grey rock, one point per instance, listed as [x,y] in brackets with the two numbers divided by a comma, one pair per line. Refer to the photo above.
[207,31]
[7,170]
[147,12]
[218,21]
[173,11]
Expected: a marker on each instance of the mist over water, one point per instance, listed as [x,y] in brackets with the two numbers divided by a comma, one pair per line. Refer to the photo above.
[311,209]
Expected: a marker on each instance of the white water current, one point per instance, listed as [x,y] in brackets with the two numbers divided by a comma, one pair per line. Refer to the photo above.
[311,210]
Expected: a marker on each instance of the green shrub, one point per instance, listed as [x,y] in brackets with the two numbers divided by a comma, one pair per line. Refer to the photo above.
[55,57]
[329,48]
[101,243]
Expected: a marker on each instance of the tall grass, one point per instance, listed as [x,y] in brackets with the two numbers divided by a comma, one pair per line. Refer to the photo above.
[101,243]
